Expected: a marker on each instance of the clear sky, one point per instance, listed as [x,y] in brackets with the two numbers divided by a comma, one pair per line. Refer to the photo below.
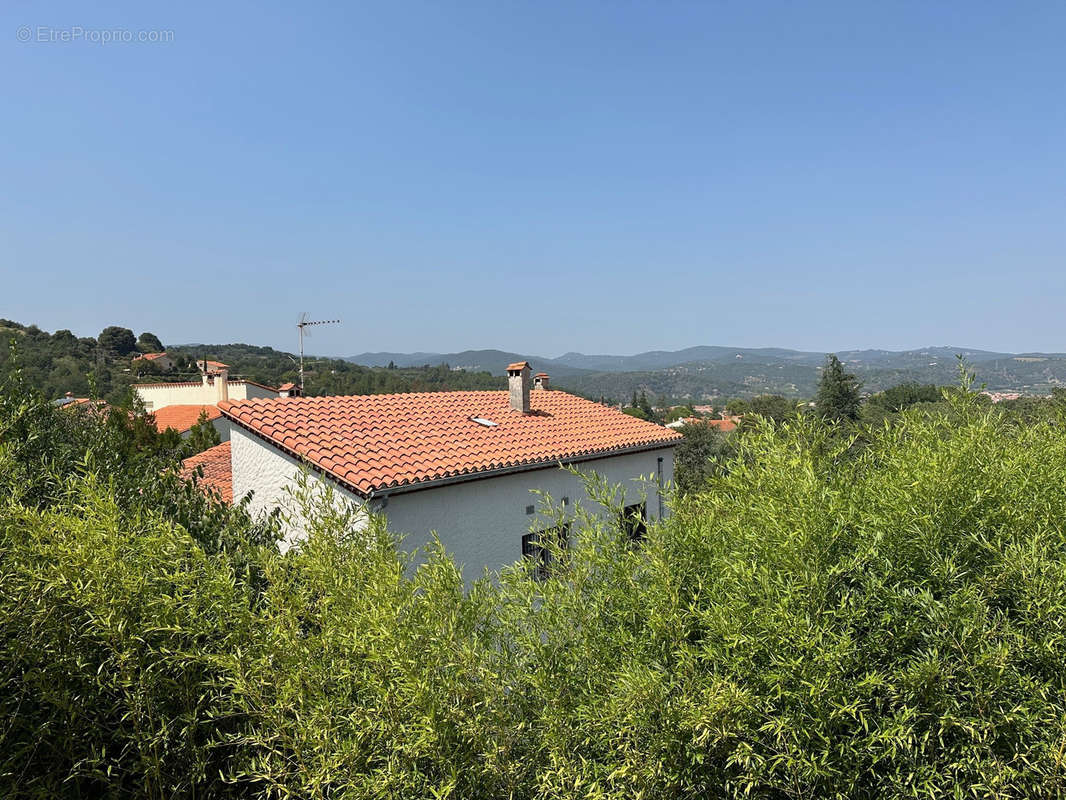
[538,176]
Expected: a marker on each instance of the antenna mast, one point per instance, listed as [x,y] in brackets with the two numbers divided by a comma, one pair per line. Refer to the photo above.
[303,323]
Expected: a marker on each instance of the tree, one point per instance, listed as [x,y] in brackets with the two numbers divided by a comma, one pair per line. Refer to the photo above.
[773,406]
[838,393]
[202,435]
[737,407]
[149,343]
[699,455]
[119,341]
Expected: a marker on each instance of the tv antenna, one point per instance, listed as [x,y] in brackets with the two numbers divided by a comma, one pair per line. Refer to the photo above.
[306,323]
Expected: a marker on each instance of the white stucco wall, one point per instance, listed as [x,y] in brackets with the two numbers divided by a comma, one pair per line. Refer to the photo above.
[271,475]
[480,522]
[160,395]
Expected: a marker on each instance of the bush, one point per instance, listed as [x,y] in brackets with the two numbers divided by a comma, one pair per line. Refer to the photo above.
[819,621]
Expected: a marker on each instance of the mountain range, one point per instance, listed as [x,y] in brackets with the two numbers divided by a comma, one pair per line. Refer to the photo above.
[710,372]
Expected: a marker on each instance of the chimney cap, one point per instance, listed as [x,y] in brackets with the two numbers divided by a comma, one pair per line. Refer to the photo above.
[541,375]
[518,366]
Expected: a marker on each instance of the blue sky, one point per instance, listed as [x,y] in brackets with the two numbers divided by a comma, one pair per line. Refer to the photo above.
[539,176]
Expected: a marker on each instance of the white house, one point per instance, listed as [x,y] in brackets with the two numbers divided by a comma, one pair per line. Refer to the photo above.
[161,360]
[463,464]
[211,389]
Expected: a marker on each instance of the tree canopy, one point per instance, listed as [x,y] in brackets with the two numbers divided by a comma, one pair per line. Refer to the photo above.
[117,340]
[881,625]
[838,397]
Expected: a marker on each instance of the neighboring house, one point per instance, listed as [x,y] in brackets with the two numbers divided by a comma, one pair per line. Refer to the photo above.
[182,418]
[289,390]
[209,390]
[161,360]
[462,464]
[209,367]
[70,401]
[724,425]
[214,466]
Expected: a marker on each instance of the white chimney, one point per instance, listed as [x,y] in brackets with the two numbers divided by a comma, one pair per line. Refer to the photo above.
[518,385]
[222,384]
[540,381]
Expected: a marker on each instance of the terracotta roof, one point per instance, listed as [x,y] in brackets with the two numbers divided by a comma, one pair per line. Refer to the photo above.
[517,365]
[182,418]
[541,375]
[149,356]
[218,471]
[286,386]
[210,364]
[724,425]
[372,443]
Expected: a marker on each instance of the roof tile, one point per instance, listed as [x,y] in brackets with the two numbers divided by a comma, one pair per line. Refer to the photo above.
[373,442]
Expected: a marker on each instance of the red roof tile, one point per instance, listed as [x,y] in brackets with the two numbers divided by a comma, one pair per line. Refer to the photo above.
[517,365]
[182,418]
[218,471]
[149,356]
[376,442]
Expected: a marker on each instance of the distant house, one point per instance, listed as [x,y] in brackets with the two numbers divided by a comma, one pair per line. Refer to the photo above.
[289,390]
[182,418]
[724,425]
[209,390]
[70,401]
[161,360]
[463,464]
[209,367]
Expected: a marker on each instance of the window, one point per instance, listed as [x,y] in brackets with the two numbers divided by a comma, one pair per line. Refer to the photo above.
[634,522]
[537,547]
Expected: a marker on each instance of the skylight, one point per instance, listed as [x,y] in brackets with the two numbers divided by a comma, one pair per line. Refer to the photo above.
[488,423]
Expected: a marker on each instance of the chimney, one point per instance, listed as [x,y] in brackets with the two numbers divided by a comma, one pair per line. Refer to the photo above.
[222,384]
[518,384]
[540,381]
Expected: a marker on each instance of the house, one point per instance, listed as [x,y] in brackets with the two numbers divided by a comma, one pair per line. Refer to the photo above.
[70,401]
[208,367]
[209,390]
[182,418]
[161,360]
[723,425]
[464,464]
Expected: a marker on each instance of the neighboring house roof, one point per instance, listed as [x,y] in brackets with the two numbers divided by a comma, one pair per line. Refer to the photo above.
[724,425]
[218,471]
[286,386]
[70,402]
[182,418]
[211,364]
[373,443]
[149,356]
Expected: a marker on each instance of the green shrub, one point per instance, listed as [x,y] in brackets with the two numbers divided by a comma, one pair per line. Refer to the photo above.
[820,620]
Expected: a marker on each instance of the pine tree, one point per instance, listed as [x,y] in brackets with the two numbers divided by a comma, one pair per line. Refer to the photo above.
[838,393]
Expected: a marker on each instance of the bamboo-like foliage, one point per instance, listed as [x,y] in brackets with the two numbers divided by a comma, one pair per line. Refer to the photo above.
[828,617]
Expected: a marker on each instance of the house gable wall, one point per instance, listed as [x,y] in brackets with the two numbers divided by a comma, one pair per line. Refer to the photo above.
[480,522]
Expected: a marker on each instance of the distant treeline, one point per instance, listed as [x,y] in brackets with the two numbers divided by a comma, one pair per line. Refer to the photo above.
[103,366]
